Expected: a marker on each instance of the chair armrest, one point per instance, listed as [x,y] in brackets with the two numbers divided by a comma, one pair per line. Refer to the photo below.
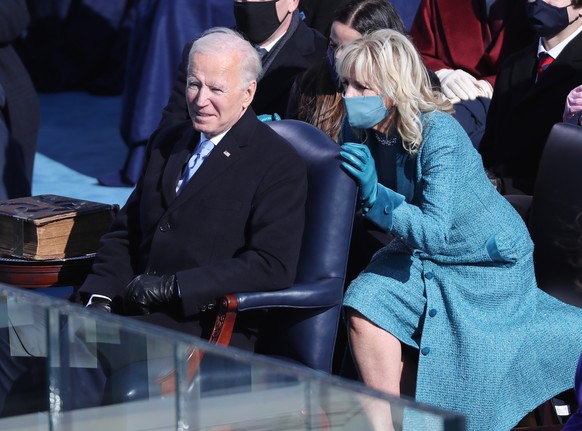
[221,334]
[224,323]
[319,294]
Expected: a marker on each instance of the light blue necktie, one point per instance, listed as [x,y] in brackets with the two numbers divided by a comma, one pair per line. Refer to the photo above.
[202,150]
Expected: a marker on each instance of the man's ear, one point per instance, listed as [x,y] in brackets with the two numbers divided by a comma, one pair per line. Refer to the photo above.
[249,93]
[293,4]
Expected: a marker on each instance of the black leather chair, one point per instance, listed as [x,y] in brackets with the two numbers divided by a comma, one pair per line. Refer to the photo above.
[555,216]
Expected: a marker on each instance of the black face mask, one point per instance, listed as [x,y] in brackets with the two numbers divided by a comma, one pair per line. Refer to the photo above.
[257,20]
[547,20]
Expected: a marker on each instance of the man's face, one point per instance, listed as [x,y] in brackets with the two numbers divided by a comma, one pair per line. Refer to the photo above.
[213,92]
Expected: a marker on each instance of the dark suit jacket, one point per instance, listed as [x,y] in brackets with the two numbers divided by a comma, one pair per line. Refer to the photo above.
[305,47]
[523,112]
[21,110]
[236,226]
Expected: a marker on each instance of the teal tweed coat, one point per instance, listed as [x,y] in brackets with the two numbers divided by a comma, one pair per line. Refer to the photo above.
[458,284]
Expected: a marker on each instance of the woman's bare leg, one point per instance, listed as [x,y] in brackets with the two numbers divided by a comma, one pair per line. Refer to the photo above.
[378,357]
[377,354]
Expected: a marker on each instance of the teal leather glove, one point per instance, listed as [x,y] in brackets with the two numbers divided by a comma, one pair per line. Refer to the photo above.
[359,163]
[265,118]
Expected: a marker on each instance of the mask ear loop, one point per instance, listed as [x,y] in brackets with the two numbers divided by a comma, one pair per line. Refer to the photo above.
[285,17]
[575,19]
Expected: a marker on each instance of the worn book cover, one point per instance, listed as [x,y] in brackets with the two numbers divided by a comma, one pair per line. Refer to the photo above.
[52,227]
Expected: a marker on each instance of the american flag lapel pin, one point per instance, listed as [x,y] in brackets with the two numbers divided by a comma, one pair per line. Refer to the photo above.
[226,153]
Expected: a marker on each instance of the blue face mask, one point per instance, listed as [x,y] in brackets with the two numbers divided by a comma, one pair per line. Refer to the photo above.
[365,111]
[547,20]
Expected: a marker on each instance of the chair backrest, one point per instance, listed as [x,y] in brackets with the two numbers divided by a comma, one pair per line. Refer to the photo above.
[303,319]
[331,203]
[555,219]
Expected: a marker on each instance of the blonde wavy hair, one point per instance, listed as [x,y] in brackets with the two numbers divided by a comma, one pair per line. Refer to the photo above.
[388,63]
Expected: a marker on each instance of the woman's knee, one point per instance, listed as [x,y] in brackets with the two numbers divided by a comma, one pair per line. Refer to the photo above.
[359,325]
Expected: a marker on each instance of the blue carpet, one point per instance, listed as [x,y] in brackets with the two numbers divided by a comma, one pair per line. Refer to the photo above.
[78,141]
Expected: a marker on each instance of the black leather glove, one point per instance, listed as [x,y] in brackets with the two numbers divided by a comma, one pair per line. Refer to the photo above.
[101,304]
[146,293]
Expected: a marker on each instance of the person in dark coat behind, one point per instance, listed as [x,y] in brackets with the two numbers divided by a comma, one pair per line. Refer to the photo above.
[524,106]
[19,106]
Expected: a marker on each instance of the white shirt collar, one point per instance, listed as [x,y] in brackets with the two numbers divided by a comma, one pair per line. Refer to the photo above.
[214,140]
[272,44]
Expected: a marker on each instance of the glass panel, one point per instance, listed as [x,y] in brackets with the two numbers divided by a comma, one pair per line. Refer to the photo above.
[68,368]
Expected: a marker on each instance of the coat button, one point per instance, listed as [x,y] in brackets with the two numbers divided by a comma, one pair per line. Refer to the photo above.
[432,312]
[429,275]
[203,308]
[164,227]
[425,351]
[387,210]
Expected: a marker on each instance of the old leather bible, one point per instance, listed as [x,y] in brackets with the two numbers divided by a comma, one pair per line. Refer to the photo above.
[52,227]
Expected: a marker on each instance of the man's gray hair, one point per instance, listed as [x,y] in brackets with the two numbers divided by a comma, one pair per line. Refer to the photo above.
[225,41]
